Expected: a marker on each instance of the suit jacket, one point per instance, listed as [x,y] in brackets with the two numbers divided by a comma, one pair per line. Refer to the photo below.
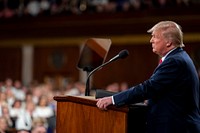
[173,93]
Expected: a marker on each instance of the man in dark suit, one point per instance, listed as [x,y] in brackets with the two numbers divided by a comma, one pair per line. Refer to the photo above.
[173,88]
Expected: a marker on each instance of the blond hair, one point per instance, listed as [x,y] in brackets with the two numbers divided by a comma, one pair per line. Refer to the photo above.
[171,31]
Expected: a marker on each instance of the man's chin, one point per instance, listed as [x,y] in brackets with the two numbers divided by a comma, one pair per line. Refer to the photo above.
[154,51]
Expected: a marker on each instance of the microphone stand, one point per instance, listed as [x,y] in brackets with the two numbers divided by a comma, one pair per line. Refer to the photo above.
[88,69]
[87,89]
[122,54]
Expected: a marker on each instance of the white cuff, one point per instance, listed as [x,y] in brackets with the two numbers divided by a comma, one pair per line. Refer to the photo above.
[113,102]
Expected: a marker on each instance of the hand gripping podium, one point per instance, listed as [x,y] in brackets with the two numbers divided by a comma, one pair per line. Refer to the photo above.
[79,114]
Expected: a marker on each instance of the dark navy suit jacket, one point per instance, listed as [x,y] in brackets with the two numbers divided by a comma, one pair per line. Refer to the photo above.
[173,93]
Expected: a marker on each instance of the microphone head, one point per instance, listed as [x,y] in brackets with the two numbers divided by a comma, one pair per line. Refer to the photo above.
[123,54]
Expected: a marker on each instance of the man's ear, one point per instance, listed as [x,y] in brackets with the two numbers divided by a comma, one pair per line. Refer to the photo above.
[169,44]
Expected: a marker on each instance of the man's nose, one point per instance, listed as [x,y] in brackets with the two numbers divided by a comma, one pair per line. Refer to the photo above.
[151,40]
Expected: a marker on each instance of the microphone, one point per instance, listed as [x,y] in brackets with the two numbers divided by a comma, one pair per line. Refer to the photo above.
[122,54]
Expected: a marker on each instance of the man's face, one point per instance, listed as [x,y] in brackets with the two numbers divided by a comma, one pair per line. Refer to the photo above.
[159,43]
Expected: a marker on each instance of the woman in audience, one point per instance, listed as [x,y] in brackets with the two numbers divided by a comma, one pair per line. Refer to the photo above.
[24,120]
[39,122]
[39,129]
[16,109]
[3,125]
[42,109]
[6,115]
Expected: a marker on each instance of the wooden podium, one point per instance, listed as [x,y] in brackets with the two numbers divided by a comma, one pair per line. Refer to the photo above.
[81,115]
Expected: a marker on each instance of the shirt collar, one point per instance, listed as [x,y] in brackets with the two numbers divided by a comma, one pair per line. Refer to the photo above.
[163,58]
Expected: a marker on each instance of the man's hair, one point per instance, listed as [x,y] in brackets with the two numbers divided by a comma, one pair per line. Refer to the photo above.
[171,31]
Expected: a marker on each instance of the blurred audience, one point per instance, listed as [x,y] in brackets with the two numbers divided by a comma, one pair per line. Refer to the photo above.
[3,124]
[19,90]
[117,87]
[6,115]
[19,8]
[39,129]
[75,89]
[31,108]
[24,119]
[24,108]
[114,87]
[43,109]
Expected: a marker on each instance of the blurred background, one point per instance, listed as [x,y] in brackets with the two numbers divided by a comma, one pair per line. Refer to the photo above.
[40,40]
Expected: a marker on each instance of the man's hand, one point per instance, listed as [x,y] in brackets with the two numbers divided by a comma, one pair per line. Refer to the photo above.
[103,103]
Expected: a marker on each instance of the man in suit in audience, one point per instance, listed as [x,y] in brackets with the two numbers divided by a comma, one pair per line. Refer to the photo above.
[173,89]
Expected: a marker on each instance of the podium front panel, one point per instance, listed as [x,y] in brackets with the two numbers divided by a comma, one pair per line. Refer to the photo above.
[79,115]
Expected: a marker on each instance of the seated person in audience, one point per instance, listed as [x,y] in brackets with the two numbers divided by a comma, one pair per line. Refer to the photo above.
[6,115]
[3,125]
[39,124]
[16,109]
[39,129]
[39,121]
[24,120]
[42,109]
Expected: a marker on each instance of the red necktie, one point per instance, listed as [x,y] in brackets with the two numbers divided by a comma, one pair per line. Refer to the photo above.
[160,61]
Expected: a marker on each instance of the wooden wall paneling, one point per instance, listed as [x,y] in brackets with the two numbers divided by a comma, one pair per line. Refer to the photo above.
[10,63]
[58,63]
